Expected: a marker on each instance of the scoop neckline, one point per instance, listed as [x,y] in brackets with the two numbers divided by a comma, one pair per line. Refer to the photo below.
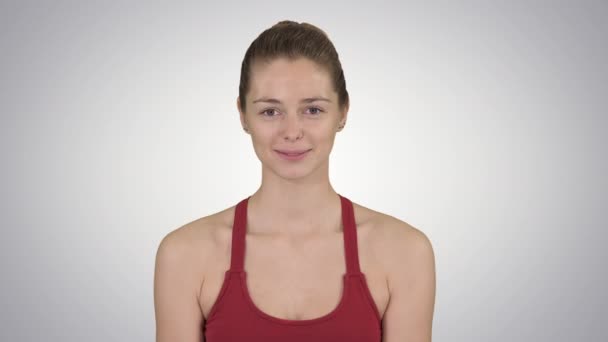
[324,317]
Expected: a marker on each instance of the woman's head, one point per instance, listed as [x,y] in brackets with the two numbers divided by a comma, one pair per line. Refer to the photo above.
[292,97]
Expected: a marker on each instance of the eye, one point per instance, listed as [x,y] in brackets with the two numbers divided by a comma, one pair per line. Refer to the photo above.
[270,110]
[316,111]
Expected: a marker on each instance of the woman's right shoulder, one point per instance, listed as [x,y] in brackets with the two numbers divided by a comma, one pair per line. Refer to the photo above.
[183,257]
[203,234]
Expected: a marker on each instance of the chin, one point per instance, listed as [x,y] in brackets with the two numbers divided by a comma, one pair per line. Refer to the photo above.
[286,171]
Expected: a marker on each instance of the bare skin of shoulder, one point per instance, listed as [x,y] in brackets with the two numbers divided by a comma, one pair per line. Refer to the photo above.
[305,280]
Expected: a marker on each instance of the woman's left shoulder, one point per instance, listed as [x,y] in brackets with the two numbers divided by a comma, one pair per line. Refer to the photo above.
[389,234]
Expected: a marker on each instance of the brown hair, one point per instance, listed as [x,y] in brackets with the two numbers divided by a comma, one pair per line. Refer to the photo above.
[292,40]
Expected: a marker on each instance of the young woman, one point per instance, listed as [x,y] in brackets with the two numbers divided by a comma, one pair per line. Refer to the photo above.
[294,261]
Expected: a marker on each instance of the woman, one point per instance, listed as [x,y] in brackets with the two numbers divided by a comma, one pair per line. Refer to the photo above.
[295,260]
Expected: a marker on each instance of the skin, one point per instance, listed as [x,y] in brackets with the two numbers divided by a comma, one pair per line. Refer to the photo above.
[292,193]
[294,224]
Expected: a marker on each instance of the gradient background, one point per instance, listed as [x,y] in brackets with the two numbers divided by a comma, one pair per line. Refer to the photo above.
[481,124]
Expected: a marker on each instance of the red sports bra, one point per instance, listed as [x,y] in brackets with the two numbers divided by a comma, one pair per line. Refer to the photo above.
[234,316]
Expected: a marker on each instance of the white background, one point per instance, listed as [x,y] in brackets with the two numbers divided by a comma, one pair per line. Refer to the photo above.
[481,124]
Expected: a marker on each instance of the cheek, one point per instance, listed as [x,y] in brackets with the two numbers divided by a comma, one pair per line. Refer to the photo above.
[327,134]
[263,144]
[323,142]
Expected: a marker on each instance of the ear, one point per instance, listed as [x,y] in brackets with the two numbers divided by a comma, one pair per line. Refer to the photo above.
[344,115]
[241,115]
[238,105]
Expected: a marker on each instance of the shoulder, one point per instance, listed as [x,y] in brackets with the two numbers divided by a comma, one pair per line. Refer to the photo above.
[182,257]
[190,249]
[196,241]
[399,246]
[406,255]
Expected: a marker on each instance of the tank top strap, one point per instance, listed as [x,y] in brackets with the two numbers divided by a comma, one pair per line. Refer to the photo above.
[239,230]
[351,252]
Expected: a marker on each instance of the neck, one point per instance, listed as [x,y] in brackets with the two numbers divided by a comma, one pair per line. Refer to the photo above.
[293,208]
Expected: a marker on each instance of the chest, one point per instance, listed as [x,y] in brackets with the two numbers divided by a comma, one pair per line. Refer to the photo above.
[294,281]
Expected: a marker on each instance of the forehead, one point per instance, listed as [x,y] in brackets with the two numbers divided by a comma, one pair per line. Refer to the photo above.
[289,79]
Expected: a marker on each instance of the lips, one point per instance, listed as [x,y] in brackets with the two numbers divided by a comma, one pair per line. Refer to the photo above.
[292,152]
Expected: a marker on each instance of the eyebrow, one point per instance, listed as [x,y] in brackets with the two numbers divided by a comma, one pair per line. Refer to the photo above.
[306,100]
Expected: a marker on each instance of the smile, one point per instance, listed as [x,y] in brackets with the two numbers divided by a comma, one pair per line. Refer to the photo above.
[292,155]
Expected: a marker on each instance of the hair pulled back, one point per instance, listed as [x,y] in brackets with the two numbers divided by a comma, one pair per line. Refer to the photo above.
[292,40]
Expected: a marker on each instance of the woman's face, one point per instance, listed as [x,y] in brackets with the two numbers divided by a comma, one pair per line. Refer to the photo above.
[292,106]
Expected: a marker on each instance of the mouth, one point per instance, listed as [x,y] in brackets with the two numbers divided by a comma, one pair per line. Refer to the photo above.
[292,152]
[292,155]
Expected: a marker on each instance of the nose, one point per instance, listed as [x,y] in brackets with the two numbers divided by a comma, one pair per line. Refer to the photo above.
[292,127]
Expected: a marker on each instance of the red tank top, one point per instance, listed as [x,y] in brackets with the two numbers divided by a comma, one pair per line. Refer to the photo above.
[234,316]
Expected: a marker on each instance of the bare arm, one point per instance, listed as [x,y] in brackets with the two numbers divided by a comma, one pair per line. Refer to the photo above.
[176,288]
[409,315]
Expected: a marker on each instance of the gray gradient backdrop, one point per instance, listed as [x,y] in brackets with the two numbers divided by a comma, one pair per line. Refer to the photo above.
[483,124]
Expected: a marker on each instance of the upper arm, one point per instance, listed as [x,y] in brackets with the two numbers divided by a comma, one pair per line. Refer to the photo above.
[409,314]
[176,288]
